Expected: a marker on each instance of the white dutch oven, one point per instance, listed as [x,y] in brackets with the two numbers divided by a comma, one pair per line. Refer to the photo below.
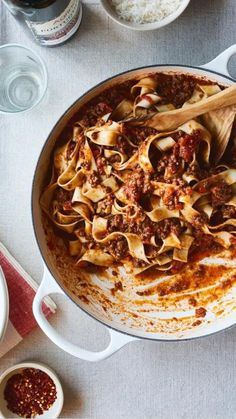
[120,333]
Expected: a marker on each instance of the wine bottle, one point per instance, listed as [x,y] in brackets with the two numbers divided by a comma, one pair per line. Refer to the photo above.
[52,22]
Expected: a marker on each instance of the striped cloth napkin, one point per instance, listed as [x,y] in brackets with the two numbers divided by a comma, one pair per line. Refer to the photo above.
[21,289]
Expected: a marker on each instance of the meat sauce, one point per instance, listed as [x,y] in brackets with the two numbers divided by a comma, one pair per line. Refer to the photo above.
[192,280]
[175,89]
[144,227]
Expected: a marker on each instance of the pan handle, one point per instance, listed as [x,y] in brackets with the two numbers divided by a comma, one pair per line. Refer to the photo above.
[49,286]
[220,63]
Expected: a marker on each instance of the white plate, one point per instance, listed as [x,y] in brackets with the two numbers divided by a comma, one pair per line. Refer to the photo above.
[4,304]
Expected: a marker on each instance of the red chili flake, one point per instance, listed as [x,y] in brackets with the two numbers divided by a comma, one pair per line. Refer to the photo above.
[30,393]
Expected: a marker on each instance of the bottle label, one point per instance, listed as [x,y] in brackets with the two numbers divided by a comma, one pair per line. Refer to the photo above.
[61,28]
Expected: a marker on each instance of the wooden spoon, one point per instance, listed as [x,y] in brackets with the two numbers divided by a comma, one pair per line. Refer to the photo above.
[168,121]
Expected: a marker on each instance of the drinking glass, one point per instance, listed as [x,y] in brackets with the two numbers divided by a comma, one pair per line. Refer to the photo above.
[23,78]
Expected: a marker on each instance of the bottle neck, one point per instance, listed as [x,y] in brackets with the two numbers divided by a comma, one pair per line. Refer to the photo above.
[37,4]
[36,10]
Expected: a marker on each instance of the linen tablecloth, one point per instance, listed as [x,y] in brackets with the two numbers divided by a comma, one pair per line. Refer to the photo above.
[185,380]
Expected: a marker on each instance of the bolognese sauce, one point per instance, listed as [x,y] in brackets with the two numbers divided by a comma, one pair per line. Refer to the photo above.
[133,194]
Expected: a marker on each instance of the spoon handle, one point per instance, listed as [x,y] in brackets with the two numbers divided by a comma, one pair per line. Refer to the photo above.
[173,119]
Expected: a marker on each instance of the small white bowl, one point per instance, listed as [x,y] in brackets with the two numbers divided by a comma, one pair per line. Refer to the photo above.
[145,26]
[54,410]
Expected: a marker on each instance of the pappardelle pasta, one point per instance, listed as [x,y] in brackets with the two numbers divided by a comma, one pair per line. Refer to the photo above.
[130,195]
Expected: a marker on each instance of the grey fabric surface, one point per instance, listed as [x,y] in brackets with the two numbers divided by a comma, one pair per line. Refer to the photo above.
[185,380]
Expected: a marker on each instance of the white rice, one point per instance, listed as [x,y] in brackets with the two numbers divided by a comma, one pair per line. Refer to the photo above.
[145,11]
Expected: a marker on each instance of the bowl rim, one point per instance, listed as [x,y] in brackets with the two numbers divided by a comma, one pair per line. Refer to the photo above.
[144,26]
[48,371]
[5,306]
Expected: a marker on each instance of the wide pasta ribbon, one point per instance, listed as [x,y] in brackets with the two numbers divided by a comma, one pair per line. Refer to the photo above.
[135,244]
[105,135]
[96,257]
[66,222]
[202,92]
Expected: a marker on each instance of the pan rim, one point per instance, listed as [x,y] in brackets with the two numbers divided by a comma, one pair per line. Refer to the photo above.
[132,335]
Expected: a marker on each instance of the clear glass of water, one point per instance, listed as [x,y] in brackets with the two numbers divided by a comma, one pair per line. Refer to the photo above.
[23,78]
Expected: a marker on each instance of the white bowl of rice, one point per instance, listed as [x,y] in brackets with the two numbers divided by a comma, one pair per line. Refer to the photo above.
[144,15]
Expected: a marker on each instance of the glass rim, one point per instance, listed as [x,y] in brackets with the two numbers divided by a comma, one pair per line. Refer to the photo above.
[45,77]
